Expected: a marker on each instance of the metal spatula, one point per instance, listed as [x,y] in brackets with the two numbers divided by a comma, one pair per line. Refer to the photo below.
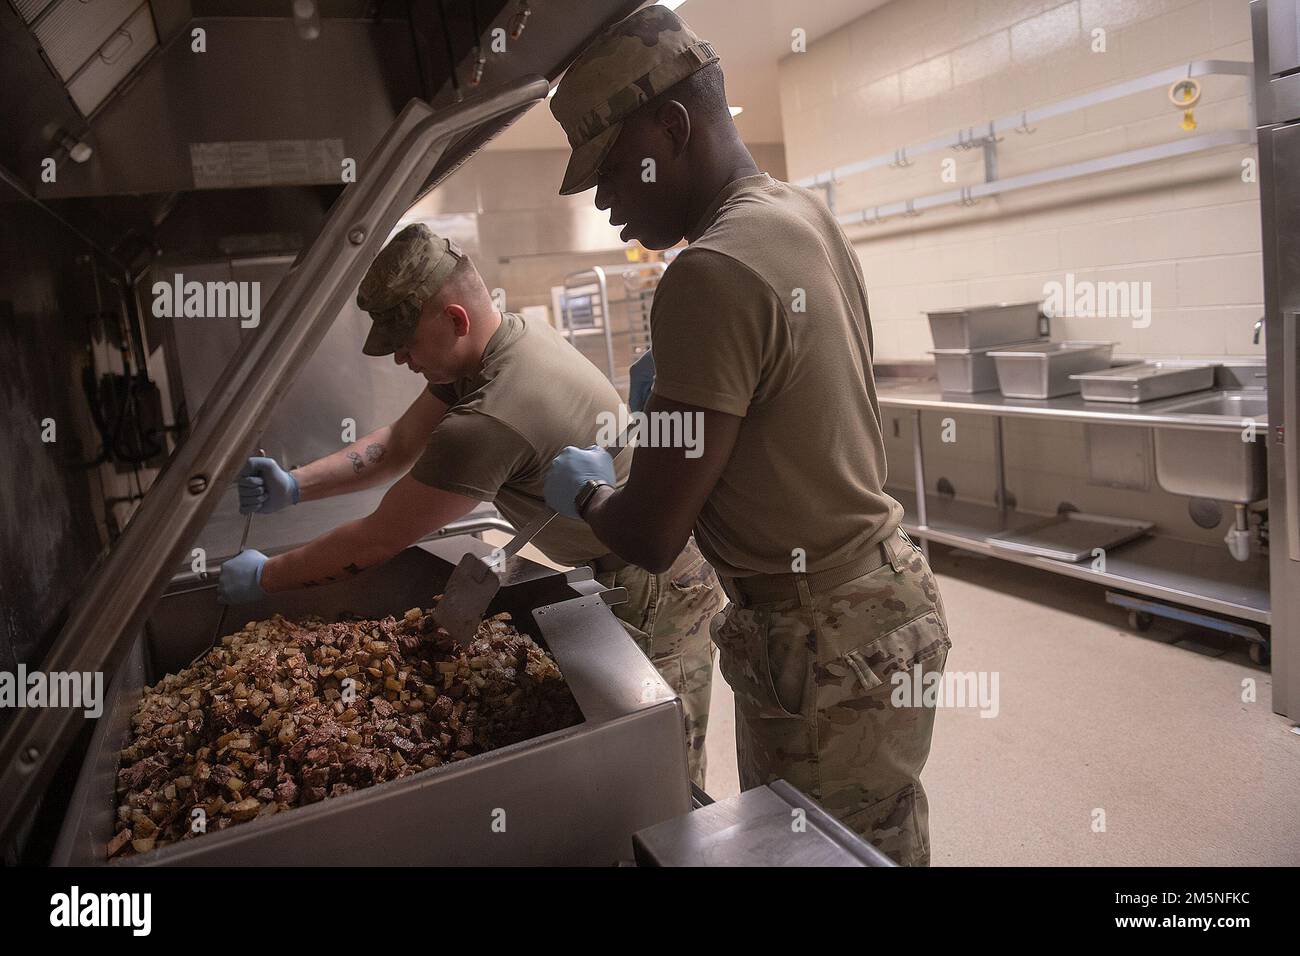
[475,582]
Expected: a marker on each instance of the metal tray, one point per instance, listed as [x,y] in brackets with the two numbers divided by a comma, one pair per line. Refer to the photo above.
[1043,369]
[1071,535]
[753,829]
[969,370]
[985,326]
[1144,381]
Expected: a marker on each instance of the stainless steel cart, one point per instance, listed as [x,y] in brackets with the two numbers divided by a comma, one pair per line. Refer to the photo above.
[605,313]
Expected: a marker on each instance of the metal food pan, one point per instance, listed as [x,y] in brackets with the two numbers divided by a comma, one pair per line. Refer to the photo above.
[1043,369]
[1070,536]
[1145,381]
[967,370]
[983,326]
[574,796]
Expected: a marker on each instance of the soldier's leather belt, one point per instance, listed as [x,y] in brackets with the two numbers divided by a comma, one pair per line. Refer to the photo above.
[774,588]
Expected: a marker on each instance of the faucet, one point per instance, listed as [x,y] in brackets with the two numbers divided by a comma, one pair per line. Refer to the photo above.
[1259,327]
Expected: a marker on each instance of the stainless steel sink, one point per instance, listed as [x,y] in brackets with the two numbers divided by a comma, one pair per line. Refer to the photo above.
[1222,465]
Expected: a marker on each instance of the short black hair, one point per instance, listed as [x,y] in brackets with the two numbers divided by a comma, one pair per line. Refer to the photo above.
[703,93]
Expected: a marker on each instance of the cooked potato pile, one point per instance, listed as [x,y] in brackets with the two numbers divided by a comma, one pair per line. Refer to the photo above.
[285,713]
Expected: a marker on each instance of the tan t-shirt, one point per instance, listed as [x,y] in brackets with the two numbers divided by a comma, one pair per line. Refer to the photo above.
[533,395]
[764,316]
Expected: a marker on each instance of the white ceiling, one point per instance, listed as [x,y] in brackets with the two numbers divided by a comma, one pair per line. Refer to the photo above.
[751,37]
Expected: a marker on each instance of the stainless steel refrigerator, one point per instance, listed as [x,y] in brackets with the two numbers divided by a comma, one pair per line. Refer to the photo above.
[1276,32]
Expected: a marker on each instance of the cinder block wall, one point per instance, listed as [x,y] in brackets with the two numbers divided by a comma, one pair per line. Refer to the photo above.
[914,69]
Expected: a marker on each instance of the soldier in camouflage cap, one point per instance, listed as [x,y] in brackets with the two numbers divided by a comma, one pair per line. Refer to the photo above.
[630,64]
[405,275]
[760,334]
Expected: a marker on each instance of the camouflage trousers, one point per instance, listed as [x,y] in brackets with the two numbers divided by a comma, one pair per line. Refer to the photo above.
[668,616]
[814,679]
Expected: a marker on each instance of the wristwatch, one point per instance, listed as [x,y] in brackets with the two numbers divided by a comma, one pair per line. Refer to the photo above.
[587,492]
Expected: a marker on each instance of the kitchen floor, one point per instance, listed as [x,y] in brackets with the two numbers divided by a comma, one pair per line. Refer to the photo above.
[1091,717]
[1108,747]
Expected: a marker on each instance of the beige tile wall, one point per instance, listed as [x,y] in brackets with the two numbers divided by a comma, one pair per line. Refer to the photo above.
[915,69]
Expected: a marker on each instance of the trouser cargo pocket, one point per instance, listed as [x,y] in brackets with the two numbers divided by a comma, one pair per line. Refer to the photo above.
[763,654]
[896,653]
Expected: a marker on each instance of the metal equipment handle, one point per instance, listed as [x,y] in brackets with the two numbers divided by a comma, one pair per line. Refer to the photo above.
[1290,434]
[243,543]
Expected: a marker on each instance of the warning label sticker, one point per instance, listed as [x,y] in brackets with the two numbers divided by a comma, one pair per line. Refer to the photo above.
[272,162]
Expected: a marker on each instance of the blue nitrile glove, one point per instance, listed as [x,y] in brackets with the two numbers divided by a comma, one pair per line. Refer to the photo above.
[240,581]
[265,487]
[571,469]
[642,375]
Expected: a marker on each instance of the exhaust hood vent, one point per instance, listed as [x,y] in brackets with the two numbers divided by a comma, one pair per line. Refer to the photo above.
[29,10]
[73,30]
[93,46]
[119,55]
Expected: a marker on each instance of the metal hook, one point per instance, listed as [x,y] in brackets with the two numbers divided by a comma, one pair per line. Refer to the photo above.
[1024,124]
[966,198]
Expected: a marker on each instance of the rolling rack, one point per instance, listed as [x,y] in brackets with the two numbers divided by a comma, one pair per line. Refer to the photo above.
[605,314]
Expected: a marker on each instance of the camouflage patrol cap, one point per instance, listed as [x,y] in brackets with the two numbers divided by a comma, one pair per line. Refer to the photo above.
[633,61]
[405,275]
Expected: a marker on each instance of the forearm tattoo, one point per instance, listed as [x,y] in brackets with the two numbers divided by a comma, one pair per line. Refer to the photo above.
[374,452]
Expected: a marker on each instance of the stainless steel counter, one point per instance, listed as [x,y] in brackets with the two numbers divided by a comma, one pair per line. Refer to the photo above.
[1194,575]
[924,394]
[1200,576]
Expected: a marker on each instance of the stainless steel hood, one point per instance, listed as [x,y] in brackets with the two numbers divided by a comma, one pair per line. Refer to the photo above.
[291,108]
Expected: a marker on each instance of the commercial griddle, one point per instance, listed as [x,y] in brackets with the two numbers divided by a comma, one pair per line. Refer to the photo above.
[574,796]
